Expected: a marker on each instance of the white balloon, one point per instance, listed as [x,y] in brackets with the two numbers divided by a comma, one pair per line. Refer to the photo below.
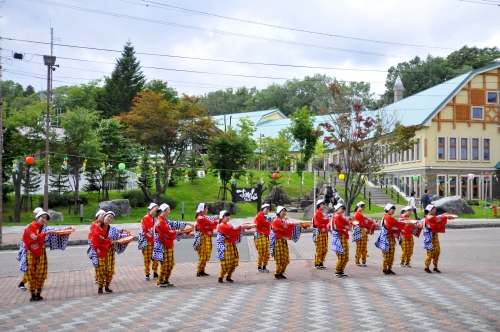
[201,174]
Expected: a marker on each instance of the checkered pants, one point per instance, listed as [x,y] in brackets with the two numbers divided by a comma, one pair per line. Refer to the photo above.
[37,271]
[342,259]
[434,253]
[167,265]
[147,254]
[321,248]
[106,268]
[204,251]
[407,247]
[388,257]
[362,247]
[25,280]
[281,256]
[262,246]
[230,261]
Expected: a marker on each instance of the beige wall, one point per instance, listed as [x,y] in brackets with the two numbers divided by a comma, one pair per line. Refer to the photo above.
[274,116]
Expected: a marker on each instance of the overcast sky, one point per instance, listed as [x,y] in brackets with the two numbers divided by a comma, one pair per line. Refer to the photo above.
[435,27]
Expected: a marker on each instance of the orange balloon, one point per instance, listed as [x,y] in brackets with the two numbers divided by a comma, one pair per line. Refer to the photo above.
[30,160]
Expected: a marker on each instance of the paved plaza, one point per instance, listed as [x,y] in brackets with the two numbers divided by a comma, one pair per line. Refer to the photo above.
[465,297]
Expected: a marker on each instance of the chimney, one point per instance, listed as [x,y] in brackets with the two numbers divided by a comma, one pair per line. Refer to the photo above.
[398,89]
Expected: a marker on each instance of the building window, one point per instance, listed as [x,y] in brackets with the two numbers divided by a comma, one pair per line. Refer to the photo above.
[476,113]
[407,153]
[486,149]
[492,97]
[441,154]
[417,149]
[475,149]
[463,149]
[453,148]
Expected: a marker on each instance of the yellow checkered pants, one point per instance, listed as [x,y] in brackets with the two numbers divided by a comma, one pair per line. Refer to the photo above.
[407,247]
[434,253]
[147,254]
[36,274]
[204,251]
[166,266]
[388,257]
[24,279]
[281,256]
[321,248]
[362,247]
[342,259]
[106,268]
[230,261]
[263,253]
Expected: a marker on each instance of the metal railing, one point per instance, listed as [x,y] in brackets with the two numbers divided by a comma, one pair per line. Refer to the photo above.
[389,190]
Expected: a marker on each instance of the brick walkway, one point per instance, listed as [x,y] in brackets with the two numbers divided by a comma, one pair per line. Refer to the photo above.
[466,296]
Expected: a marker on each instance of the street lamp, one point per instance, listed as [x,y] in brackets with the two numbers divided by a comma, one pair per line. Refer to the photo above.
[49,61]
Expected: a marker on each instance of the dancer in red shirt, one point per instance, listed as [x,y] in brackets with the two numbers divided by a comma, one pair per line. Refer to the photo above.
[261,237]
[340,226]
[366,226]
[147,240]
[433,225]
[203,238]
[320,234]
[393,228]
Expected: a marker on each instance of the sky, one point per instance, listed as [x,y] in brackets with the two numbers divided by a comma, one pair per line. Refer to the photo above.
[355,40]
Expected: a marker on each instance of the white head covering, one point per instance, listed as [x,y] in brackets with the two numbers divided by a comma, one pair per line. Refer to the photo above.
[389,206]
[163,207]
[338,206]
[152,205]
[319,202]
[406,208]
[38,210]
[110,212]
[101,211]
[41,213]
[429,207]
[265,206]
[360,203]
[279,209]
[200,207]
[221,214]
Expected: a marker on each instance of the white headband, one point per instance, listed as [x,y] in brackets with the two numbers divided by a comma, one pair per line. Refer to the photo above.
[101,211]
[152,205]
[163,207]
[200,208]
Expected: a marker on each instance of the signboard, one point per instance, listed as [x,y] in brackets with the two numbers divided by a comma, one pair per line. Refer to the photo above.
[247,195]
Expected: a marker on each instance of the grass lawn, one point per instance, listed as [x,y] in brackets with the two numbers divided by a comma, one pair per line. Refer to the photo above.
[201,190]
[479,213]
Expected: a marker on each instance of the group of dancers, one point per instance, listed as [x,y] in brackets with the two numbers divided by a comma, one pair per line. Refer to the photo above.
[271,236]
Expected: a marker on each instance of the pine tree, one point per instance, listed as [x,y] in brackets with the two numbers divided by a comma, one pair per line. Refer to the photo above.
[34,182]
[58,181]
[125,82]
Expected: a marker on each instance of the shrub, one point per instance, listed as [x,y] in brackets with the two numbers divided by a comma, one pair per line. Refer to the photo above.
[136,198]
[170,201]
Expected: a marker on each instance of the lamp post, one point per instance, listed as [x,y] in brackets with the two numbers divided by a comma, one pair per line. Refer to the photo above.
[49,61]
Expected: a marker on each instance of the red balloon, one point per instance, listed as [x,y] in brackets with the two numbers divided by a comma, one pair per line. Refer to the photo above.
[30,160]
[275,175]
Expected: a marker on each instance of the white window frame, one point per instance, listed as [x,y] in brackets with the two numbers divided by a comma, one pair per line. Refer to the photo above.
[457,150]
[444,149]
[479,141]
[460,149]
[418,149]
[496,93]
[448,185]
[472,113]
[482,150]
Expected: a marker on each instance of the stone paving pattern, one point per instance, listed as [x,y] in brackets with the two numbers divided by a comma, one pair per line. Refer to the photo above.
[465,297]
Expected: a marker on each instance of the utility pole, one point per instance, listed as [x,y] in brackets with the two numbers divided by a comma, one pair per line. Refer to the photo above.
[1,148]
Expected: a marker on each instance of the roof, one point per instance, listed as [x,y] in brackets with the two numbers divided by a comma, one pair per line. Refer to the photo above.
[497,166]
[256,117]
[423,106]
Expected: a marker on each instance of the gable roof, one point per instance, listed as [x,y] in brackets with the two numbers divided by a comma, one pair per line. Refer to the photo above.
[423,106]
[256,117]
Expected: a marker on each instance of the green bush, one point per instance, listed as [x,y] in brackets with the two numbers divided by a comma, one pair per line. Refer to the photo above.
[170,201]
[58,200]
[136,198]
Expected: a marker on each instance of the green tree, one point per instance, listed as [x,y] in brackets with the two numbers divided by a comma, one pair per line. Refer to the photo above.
[29,91]
[122,86]
[159,86]
[83,95]
[473,57]
[230,152]
[305,134]
[79,141]
[275,151]
[31,182]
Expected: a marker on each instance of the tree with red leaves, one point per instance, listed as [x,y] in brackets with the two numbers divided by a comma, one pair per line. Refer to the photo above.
[362,138]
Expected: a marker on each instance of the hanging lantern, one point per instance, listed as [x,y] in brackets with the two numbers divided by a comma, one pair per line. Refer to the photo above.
[341,176]
[246,177]
[138,171]
[169,174]
[30,160]
[65,164]
[153,171]
[302,178]
[233,178]
[288,179]
[275,176]
[186,175]
[84,165]
[261,178]
[415,177]
[201,174]
[121,166]
[15,166]
[103,168]
[218,177]
[470,176]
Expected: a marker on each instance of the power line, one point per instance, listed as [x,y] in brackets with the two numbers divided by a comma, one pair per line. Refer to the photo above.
[289,42]
[493,3]
[282,27]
